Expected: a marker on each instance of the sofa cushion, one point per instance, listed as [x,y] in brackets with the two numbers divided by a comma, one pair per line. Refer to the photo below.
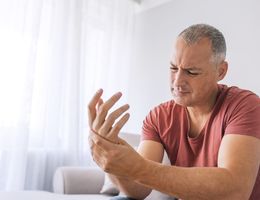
[78,180]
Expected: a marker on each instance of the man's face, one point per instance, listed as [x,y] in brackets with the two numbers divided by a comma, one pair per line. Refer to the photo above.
[193,74]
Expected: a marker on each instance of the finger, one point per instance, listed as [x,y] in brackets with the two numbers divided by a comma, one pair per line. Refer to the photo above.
[95,149]
[100,102]
[92,107]
[102,142]
[118,126]
[112,100]
[103,110]
[106,127]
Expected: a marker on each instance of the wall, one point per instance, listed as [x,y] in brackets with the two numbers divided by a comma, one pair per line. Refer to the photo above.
[155,31]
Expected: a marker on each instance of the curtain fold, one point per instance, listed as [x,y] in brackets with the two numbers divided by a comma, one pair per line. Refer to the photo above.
[53,56]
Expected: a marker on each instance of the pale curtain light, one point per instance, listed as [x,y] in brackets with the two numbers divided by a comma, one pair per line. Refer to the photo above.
[53,56]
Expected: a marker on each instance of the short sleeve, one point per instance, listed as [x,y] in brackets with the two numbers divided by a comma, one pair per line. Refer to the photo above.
[150,126]
[244,118]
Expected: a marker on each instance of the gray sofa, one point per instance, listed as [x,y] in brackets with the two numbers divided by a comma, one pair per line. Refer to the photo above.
[89,181]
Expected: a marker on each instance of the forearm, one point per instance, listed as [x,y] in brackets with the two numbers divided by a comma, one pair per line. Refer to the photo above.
[191,183]
[130,187]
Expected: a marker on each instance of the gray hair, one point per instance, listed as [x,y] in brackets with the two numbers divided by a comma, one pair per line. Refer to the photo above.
[194,33]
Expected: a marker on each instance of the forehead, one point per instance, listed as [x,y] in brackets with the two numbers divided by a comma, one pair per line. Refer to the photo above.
[188,54]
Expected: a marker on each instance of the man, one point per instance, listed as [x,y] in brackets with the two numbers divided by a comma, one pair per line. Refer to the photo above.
[210,132]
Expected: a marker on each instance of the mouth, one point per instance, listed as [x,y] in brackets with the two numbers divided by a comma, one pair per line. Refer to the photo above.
[179,92]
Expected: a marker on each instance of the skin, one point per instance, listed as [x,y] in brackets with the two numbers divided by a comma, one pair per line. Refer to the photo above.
[194,85]
[194,80]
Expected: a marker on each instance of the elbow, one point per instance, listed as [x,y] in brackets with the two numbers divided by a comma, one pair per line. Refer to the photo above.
[243,192]
[244,187]
[232,195]
[233,188]
[240,191]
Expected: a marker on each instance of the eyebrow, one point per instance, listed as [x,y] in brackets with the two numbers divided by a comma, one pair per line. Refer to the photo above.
[188,68]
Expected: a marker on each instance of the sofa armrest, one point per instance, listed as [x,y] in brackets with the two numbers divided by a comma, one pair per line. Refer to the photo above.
[78,180]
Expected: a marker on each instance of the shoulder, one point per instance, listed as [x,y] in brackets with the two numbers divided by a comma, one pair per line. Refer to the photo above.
[236,93]
[235,97]
[242,112]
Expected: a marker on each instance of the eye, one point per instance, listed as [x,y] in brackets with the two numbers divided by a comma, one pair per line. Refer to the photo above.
[190,72]
[174,68]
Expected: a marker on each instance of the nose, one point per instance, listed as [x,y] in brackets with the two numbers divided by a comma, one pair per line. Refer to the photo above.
[178,78]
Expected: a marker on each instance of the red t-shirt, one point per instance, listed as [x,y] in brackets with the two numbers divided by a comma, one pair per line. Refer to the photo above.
[236,111]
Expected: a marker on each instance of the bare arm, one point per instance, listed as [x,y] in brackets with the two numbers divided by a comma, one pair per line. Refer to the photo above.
[234,178]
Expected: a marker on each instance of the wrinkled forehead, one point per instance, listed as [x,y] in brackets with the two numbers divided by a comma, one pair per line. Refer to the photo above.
[199,51]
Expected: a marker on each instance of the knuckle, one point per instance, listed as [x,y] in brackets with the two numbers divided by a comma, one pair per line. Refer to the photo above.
[112,138]
[106,166]
[106,169]
[111,117]
[98,142]
[102,108]
[95,126]
[102,131]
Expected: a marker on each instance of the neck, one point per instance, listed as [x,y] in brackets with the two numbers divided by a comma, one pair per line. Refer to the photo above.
[204,108]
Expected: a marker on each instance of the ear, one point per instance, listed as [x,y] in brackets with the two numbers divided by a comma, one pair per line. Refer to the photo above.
[222,70]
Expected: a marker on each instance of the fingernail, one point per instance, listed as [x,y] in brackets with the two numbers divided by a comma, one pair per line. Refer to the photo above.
[127,106]
[100,90]
[119,94]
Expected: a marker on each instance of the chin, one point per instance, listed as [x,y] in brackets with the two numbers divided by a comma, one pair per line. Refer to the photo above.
[181,101]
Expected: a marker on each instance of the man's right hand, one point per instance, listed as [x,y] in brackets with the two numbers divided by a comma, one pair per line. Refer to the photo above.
[102,123]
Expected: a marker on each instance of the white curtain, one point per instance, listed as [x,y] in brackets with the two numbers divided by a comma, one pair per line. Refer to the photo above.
[54,54]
